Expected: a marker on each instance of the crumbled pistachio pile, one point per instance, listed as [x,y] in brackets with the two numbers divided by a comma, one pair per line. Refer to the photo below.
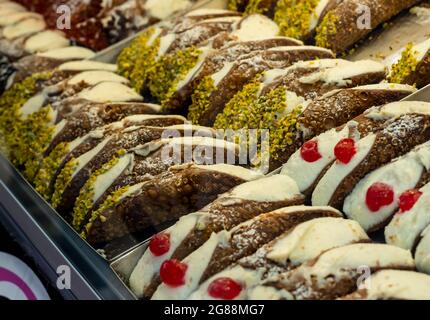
[200,99]
[405,66]
[62,182]
[326,29]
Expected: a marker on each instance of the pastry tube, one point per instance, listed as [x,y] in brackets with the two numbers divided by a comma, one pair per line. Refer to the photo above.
[399,177]
[422,253]
[290,250]
[335,273]
[215,91]
[393,285]
[229,210]
[407,225]
[307,170]
[356,159]
[412,65]
[163,199]
[345,25]
[227,247]
[215,61]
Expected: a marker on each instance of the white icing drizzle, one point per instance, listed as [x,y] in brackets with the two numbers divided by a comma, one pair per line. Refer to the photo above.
[339,171]
[402,174]
[109,92]
[24,28]
[45,41]
[405,228]
[397,285]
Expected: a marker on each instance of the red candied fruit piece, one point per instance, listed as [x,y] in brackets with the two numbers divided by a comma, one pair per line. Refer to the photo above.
[345,150]
[309,151]
[408,199]
[224,288]
[379,195]
[172,273]
[159,244]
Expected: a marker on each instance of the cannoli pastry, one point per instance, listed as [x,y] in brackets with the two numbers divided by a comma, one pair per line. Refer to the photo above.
[163,199]
[125,134]
[411,65]
[192,231]
[422,253]
[397,183]
[308,163]
[335,273]
[411,220]
[355,159]
[214,62]
[163,83]
[215,91]
[393,285]
[290,250]
[283,101]
[352,20]
[227,247]
[81,177]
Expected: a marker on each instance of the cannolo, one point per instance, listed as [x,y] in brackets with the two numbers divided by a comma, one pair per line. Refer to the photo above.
[214,62]
[398,178]
[192,231]
[412,65]
[411,220]
[227,247]
[422,252]
[307,166]
[335,273]
[164,199]
[355,159]
[76,184]
[298,245]
[352,20]
[393,285]
[215,91]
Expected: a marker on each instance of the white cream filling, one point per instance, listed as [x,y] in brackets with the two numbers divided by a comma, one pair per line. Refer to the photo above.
[95,77]
[86,65]
[105,180]
[149,265]
[255,27]
[398,285]
[109,92]
[422,253]
[338,172]
[218,76]
[161,9]
[306,173]
[397,109]
[18,16]
[405,228]
[46,41]
[190,75]
[83,160]
[165,43]
[386,86]
[273,188]
[316,14]
[236,171]
[196,262]
[24,28]
[269,293]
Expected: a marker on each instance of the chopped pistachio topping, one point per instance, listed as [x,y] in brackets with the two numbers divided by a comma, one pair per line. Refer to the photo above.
[294,17]
[237,113]
[48,167]
[62,182]
[84,202]
[254,6]
[127,58]
[326,30]
[170,70]
[200,99]
[112,200]
[405,66]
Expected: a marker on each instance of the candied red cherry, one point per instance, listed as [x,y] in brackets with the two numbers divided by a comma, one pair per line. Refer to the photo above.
[345,150]
[379,195]
[408,199]
[224,288]
[309,151]
[159,244]
[172,272]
